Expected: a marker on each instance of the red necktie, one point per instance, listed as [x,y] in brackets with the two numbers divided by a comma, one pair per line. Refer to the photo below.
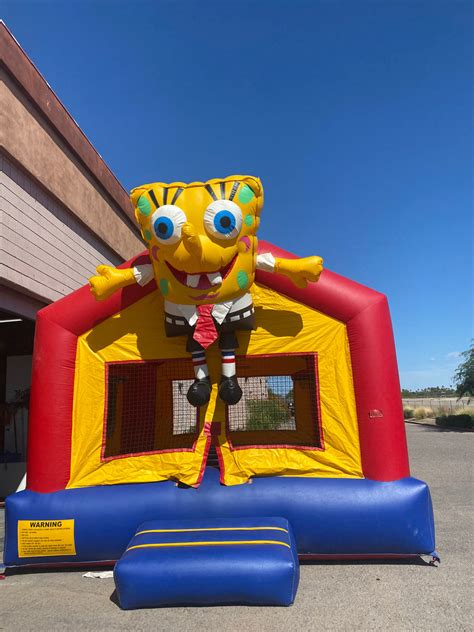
[205,332]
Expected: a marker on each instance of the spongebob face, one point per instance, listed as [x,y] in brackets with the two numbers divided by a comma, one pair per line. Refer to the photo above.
[201,236]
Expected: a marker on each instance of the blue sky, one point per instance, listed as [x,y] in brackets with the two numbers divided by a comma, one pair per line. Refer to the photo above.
[356,115]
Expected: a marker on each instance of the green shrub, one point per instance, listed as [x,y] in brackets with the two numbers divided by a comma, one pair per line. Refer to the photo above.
[408,413]
[455,421]
[266,414]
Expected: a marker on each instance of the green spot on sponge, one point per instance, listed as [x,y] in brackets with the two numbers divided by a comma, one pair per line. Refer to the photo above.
[144,205]
[246,194]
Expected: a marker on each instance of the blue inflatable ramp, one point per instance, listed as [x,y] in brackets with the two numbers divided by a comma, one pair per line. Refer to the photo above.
[245,561]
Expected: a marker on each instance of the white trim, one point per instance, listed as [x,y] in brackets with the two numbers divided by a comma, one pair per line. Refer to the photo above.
[143,274]
[266,262]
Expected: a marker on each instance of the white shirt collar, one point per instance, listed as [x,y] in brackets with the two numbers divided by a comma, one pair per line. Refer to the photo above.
[219,311]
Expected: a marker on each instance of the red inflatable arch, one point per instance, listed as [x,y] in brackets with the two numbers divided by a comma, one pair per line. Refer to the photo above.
[374,369]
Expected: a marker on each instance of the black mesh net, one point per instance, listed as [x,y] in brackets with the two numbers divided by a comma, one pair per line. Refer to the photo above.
[147,409]
[279,405]
[268,403]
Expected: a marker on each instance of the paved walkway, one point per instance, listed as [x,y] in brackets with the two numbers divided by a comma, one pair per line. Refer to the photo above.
[332,596]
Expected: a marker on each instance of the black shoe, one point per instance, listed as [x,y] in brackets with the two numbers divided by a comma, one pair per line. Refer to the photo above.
[199,392]
[229,390]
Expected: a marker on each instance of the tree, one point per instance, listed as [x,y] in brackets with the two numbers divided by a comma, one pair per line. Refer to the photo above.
[464,375]
[429,391]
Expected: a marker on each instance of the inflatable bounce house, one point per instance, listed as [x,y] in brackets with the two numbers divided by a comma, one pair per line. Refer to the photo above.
[216,378]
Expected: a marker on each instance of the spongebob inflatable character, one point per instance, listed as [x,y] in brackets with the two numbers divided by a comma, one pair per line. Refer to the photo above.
[203,247]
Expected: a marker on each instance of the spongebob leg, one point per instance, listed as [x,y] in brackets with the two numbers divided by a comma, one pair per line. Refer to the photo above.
[200,390]
[229,389]
[228,362]
[200,364]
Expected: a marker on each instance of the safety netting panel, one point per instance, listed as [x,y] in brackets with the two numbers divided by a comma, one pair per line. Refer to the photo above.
[147,409]
[280,402]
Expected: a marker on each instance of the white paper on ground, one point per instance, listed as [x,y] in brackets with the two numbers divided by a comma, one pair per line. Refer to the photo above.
[99,574]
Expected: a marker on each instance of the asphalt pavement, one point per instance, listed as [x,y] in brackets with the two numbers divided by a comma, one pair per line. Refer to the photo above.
[392,595]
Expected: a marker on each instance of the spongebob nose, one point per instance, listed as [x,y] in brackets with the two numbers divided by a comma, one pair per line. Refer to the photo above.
[191,239]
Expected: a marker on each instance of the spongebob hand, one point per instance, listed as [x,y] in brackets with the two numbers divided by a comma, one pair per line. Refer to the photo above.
[300,271]
[109,280]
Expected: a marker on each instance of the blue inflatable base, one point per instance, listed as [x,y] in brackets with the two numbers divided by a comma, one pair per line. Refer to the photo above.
[329,517]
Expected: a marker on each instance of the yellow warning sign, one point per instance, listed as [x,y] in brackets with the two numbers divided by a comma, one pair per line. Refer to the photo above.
[45,538]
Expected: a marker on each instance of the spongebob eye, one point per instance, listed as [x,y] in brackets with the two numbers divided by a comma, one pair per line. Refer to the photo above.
[167,222]
[223,219]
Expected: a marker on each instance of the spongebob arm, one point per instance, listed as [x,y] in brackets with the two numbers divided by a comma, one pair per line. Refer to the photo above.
[109,279]
[299,271]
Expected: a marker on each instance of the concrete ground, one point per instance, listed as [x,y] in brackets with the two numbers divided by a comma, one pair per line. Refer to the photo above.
[332,596]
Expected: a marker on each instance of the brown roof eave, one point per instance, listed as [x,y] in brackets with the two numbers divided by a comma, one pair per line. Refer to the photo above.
[27,76]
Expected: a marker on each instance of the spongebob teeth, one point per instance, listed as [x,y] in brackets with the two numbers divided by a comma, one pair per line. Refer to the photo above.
[192,280]
[215,278]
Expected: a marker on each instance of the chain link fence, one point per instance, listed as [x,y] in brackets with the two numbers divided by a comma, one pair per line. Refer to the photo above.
[445,405]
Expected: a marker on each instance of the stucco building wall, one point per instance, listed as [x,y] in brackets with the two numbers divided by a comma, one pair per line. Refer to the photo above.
[35,144]
[43,249]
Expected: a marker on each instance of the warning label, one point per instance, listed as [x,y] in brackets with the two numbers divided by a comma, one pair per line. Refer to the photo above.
[44,538]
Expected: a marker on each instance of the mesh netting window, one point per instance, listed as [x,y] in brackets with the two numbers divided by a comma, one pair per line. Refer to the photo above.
[279,405]
[147,409]
[267,404]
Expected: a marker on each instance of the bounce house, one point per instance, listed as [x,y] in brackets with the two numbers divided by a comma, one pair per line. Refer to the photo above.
[127,427]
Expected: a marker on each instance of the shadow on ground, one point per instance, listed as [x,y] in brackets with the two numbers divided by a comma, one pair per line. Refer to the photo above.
[406,561]
[434,428]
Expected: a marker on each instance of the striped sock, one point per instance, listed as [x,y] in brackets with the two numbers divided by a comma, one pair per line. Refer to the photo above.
[200,364]
[228,362]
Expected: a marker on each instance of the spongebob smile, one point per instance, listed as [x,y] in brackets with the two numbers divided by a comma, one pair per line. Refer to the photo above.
[203,280]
